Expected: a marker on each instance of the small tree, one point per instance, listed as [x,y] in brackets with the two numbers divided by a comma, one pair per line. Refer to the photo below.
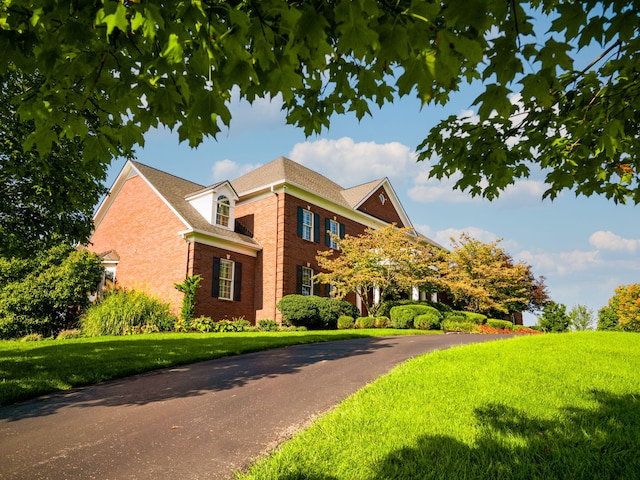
[483,278]
[48,292]
[625,304]
[554,318]
[581,317]
[390,259]
[189,287]
[607,319]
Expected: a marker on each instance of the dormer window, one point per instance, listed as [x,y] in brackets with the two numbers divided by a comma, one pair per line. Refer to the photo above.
[223,211]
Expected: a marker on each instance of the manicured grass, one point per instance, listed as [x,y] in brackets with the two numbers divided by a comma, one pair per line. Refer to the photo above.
[542,407]
[29,369]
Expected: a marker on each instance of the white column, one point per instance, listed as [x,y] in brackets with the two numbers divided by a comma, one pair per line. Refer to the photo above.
[434,297]
[415,294]
[376,295]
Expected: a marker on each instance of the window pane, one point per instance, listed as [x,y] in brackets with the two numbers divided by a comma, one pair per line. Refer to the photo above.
[307,225]
[334,229]
[222,212]
[307,284]
[226,279]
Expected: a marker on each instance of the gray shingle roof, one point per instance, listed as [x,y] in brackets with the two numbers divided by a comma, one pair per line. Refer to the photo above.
[283,169]
[174,190]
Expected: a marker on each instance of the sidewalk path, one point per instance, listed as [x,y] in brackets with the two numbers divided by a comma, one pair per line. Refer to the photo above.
[200,421]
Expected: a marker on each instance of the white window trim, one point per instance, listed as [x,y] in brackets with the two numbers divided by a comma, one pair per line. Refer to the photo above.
[222,279]
[220,203]
[334,228]
[307,227]
[310,284]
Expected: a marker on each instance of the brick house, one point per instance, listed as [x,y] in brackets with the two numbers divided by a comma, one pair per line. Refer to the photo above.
[253,239]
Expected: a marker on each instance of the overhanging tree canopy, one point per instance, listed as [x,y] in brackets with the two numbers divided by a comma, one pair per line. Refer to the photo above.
[134,65]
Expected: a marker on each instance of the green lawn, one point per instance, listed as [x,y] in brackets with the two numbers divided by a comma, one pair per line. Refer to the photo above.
[543,407]
[29,369]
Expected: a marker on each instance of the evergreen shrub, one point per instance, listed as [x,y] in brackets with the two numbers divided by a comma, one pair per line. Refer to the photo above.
[428,321]
[345,322]
[365,322]
[496,323]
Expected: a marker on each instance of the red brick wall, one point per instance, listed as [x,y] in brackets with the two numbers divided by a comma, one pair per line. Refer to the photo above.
[144,232]
[202,263]
[264,218]
[374,207]
[303,252]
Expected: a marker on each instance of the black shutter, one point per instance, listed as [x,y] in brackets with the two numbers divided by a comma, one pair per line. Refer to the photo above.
[215,280]
[316,227]
[299,279]
[300,221]
[342,230]
[327,227]
[237,280]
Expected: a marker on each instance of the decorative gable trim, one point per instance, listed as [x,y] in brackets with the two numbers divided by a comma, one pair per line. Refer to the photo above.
[389,197]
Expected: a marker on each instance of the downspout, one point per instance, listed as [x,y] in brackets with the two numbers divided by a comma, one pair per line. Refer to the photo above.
[275,290]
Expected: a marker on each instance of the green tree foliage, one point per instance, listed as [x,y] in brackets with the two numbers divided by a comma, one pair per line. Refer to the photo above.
[391,259]
[554,318]
[607,319]
[581,317]
[484,278]
[46,293]
[623,311]
[43,199]
[189,288]
[129,66]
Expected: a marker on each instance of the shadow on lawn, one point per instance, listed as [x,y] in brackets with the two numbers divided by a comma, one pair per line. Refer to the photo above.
[602,442]
[176,381]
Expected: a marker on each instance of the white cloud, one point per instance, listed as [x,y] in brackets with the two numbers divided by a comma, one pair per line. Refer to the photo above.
[560,263]
[349,163]
[607,240]
[443,237]
[228,170]
[262,113]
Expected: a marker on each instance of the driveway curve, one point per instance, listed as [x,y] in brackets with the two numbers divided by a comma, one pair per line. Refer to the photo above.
[200,421]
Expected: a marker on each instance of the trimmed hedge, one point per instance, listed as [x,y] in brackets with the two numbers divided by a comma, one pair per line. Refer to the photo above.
[345,322]
[313,312]
[385,307]
[403,316]
[428,321]
[365,322]
[496,323]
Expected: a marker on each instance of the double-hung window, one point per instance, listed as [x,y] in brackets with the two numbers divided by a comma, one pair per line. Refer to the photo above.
[227,279]
[307,281]
[223,211]
[307,225]
[334,228]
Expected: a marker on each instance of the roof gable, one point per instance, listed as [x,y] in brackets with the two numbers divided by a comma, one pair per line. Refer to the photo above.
[174,191]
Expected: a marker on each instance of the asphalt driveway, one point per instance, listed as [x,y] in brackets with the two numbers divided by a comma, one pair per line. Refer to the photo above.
[201,421]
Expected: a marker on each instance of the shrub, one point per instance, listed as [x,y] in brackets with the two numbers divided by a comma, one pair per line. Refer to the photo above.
[67,334]
[454,326]
[298,310]
[268,325]
[32,337]
[201,324]
[455,316]
[330,309]
[314,312]
[427,321]
[384,310]
[476,318]
[402,316]
[189,288]
[127,311]
[365,322]
[46,293]
[382,322]
[241,324]
[504,324]
[345,322]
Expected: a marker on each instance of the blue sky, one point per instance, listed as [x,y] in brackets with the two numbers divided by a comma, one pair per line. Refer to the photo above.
[585,247]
